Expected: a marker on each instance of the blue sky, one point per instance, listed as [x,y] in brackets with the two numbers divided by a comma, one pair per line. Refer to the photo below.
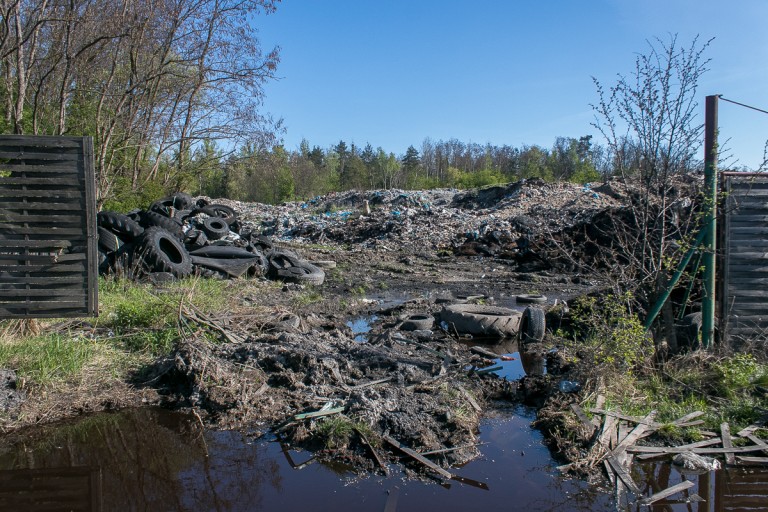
[391,73]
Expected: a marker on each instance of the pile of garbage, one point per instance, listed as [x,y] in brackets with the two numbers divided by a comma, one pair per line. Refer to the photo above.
[501,221]
[179,236]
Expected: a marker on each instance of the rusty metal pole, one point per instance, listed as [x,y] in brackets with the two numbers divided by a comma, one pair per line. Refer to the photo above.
[710,222]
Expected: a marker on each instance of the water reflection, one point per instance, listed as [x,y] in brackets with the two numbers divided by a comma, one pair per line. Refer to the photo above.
[361,326]
[152,459]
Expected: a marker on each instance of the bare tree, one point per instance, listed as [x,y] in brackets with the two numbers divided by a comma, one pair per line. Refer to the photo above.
[650,124]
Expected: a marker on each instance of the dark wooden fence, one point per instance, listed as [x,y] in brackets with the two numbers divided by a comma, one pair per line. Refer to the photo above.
[48,260]
[744,242]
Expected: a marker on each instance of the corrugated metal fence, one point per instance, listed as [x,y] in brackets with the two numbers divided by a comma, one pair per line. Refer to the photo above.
[48,260]
[744,241]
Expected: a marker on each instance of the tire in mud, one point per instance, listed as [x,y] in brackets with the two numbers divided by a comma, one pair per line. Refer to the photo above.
[304,273]
[481,319]
[531,299]
[533,325]
[417,323]
[215,228]
[122,225]
[160,251]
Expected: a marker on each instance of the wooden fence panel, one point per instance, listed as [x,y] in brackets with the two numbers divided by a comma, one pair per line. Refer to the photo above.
[744,273]
[48,259]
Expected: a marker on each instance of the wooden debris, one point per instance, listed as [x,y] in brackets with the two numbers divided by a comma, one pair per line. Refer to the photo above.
[483,352]
[317,414]
[667,492]
[416,456]
[725,432]
[469,398]
[752,460]
[622,473]
[699,451]
[482,371]
[691,446]
[371,383]
[373,451]
[591,428]
[758,442]
[599,403]
[636,433]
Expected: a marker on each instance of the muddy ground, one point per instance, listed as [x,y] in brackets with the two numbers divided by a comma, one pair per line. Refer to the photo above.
[288,350]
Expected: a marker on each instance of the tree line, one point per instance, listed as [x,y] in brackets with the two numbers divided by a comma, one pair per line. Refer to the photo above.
[276,174]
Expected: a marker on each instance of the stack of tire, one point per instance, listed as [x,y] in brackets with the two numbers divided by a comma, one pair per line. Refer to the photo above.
[177,237]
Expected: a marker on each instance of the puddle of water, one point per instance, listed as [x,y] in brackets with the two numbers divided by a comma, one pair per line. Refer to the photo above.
[514,364]
[150,459]
[361,326]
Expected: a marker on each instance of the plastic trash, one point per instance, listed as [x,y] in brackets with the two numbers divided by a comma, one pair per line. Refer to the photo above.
[569,386]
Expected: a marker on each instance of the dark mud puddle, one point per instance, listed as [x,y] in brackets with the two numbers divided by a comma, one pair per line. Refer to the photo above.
[151,459]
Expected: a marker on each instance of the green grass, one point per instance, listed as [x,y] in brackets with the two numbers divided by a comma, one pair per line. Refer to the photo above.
[54,358]
[146,319]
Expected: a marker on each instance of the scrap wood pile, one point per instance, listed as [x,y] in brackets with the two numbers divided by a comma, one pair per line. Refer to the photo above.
[178,236]
[614,444]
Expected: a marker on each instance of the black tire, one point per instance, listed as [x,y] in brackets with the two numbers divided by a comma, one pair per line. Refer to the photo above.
[215,228]
[217,210]
[417,323]
[173,226]
[281,258]
[531,299]
[305,273]
[124,226]
[109,242]
[103,260]
[533,325]
[177,201]
[161,251]
[231,267]
[481,319]
[225,252]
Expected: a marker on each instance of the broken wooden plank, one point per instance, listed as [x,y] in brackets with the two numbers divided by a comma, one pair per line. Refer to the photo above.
[669,491]
[725,433]
[697,444]
[481,371]
[636,433]
[622,473]
[599,403]
[373,451]
[758,442]
[752,460]
[608,435]
[318,414]
[686,421]
[469,398]
[688,417]
[451,449]
[700,451]
[371,383]
[428,463]
[750,429]
[591,428]
[483,352]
